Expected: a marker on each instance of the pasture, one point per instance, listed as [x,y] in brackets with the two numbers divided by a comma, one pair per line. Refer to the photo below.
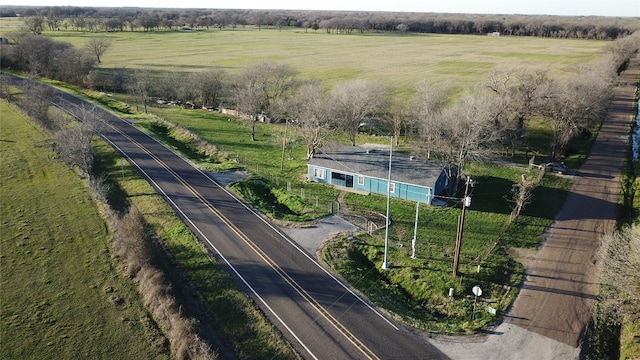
[399,60]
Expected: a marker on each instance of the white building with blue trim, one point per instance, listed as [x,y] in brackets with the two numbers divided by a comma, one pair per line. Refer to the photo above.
[365,170]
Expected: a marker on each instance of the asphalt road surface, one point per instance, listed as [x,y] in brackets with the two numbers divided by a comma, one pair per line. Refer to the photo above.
[320,316]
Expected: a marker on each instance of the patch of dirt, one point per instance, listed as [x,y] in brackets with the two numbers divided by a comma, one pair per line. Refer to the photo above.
[523,255]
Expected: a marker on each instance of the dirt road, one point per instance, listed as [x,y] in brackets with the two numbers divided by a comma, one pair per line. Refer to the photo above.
[549,317]
[562,283]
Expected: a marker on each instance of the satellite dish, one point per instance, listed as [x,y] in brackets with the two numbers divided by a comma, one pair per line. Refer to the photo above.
[476,290]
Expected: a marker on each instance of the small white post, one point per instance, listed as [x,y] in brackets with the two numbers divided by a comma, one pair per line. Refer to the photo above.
[415,233]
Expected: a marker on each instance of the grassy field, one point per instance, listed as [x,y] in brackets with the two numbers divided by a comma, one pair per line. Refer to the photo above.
[60,293]
[394,59]
[417,289]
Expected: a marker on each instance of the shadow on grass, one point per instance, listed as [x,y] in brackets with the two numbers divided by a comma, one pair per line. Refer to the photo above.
[103,164]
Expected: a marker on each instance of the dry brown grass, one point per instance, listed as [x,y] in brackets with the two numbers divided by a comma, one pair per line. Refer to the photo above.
[131,250]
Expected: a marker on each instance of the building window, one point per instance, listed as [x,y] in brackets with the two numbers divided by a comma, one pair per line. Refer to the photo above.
[319,173]
[360,180]
[392,187]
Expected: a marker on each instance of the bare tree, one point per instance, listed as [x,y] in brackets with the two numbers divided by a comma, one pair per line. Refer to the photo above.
[78,22]
[308,108]
[575,104]
[260,86]
[623,49]
[466,130]
[98,46]
[73,66]
[36,54]
[74,140]
[91,117]
[209,86]
[518,99]
[522,194]
[248,98]
[356,102]
[172,86]
[140,86]
[35,24]
[396,116]
[427,105]
[35,102]
[74,146]
[52,19]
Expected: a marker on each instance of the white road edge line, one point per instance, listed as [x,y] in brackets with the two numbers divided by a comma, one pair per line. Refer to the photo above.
[214,247]
[304,252]
[295,245]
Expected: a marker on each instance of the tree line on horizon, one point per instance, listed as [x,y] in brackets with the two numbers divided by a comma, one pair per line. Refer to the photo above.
[96,19]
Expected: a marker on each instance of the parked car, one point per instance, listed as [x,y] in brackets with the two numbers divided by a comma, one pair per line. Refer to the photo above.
[557,167]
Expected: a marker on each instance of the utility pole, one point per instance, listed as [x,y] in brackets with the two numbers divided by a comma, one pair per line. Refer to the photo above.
[465,202]
[385,262]
[415,232]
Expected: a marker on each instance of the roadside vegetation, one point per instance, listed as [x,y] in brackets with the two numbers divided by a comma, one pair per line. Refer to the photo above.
[61,295]
[493,120]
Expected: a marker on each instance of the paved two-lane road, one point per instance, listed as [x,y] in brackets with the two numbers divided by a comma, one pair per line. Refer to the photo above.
[318,314]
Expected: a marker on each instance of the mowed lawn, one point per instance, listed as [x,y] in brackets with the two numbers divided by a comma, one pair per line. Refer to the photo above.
[398,60]
[61,296]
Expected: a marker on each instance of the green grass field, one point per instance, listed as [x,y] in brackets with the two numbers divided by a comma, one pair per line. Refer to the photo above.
[398,60]
[61,295]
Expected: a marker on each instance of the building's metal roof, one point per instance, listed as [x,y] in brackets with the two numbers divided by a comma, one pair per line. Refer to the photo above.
[374,162]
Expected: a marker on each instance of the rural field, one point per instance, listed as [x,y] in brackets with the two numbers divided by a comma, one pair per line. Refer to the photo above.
[62,296]
[395,59]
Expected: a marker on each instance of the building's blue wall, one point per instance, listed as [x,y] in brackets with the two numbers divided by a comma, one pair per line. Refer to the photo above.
[411,192]
[319,180]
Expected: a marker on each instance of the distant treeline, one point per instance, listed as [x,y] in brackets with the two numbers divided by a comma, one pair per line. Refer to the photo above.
[343,22]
